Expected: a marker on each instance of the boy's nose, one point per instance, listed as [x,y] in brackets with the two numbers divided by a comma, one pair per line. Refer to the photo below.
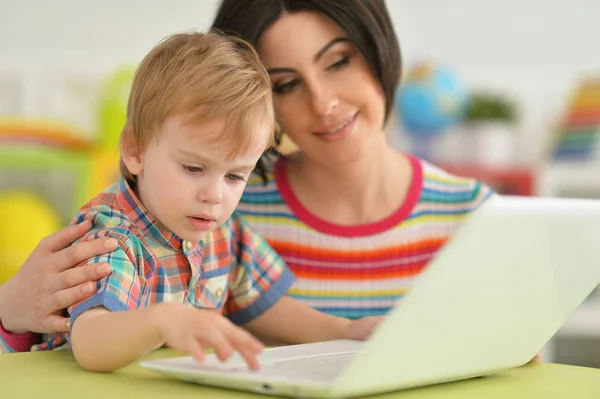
[211,193]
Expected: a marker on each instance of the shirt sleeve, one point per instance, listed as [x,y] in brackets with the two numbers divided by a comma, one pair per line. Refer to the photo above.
[117,292]
[260,279]
[10,343]
[121,290]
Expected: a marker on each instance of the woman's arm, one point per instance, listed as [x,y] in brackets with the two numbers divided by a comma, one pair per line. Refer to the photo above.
[34,299]
[291,322]
[16,342]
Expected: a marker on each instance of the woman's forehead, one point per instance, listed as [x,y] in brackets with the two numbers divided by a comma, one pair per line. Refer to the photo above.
[281,39]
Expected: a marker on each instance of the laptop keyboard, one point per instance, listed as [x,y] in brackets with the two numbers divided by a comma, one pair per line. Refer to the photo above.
[322,368]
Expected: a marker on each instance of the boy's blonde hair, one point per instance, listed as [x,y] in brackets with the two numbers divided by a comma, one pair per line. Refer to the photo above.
[200,76]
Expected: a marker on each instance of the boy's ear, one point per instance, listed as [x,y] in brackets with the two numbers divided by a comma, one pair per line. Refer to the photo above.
[130,151]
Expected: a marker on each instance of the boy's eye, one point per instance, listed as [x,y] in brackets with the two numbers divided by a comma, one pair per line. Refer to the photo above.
[193,169]
[233,177]
[286,87]
[339,64]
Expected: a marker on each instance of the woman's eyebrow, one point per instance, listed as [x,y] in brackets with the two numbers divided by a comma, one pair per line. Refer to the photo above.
[317,57]
[329,45]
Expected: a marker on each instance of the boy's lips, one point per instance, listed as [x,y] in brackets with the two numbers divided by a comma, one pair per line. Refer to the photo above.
[204,216]
[202,222]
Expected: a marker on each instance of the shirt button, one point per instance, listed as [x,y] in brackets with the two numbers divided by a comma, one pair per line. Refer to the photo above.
[188,245]
[219,293]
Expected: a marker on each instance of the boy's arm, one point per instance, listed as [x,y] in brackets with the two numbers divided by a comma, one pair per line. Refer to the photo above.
[116,300]
[109,330]
[105,341]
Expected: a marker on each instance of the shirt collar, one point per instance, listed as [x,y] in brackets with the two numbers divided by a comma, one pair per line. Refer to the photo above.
[139,216]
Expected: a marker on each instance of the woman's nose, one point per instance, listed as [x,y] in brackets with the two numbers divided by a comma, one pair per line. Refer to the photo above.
[323,101]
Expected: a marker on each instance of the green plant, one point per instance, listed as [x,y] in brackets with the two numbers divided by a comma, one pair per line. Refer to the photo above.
[484,107]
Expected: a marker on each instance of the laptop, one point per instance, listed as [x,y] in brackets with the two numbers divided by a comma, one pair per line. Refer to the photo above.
[489,300]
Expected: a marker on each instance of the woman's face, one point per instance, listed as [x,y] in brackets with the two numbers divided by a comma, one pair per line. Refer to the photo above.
[327,99]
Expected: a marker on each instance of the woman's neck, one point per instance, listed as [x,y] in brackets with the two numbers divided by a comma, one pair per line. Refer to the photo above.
[365,191]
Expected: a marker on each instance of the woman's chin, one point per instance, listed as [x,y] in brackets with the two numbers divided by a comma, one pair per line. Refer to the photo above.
[343,157]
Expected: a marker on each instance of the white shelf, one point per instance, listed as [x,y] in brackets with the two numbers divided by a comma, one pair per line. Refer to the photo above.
[561,178]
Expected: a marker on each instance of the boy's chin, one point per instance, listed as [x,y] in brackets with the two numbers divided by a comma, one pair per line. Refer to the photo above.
[194,236]
[191,235]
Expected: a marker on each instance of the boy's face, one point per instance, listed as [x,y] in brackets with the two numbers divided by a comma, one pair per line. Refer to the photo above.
[186,178]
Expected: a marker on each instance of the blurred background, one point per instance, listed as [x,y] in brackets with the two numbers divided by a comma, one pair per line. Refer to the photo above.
[508,92]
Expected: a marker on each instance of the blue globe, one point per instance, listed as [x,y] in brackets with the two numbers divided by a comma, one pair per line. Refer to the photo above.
[430,100]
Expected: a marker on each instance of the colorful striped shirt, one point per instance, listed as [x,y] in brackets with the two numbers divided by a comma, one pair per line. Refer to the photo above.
[357,271]
[232,270]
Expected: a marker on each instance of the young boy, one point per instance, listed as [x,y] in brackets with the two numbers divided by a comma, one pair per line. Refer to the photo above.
[187,269]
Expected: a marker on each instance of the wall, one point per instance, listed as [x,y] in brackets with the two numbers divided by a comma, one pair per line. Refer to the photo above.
[51,53]
[534,49]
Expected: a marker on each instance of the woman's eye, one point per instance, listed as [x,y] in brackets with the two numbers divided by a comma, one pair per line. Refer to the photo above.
[339,64]
[233,177]
[286,87]
[192,169]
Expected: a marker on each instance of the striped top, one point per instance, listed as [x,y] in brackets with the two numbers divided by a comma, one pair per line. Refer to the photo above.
[357,271]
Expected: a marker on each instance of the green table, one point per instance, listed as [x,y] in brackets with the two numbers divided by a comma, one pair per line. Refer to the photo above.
[57,375]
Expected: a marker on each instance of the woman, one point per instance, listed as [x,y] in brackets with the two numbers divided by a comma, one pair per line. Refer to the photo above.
[354,219]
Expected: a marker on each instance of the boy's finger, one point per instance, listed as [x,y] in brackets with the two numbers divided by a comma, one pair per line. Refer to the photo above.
[240,335]
[195,349]
[248,347]
[250,357]
[220,344]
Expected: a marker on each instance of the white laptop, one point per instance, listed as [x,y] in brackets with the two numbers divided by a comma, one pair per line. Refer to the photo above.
[490,300]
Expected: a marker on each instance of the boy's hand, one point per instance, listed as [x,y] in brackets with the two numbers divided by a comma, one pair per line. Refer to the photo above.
[361,329]
[191,330]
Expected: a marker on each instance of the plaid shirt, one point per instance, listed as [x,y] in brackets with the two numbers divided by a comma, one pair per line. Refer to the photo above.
[232,270]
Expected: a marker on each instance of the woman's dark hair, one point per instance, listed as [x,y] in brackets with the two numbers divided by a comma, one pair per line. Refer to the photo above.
[366,22]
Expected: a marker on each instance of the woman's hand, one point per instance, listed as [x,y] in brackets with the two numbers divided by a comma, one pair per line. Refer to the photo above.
[47,283]
[362,329]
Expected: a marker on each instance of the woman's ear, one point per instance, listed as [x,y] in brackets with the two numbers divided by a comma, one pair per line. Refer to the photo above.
[131,153]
